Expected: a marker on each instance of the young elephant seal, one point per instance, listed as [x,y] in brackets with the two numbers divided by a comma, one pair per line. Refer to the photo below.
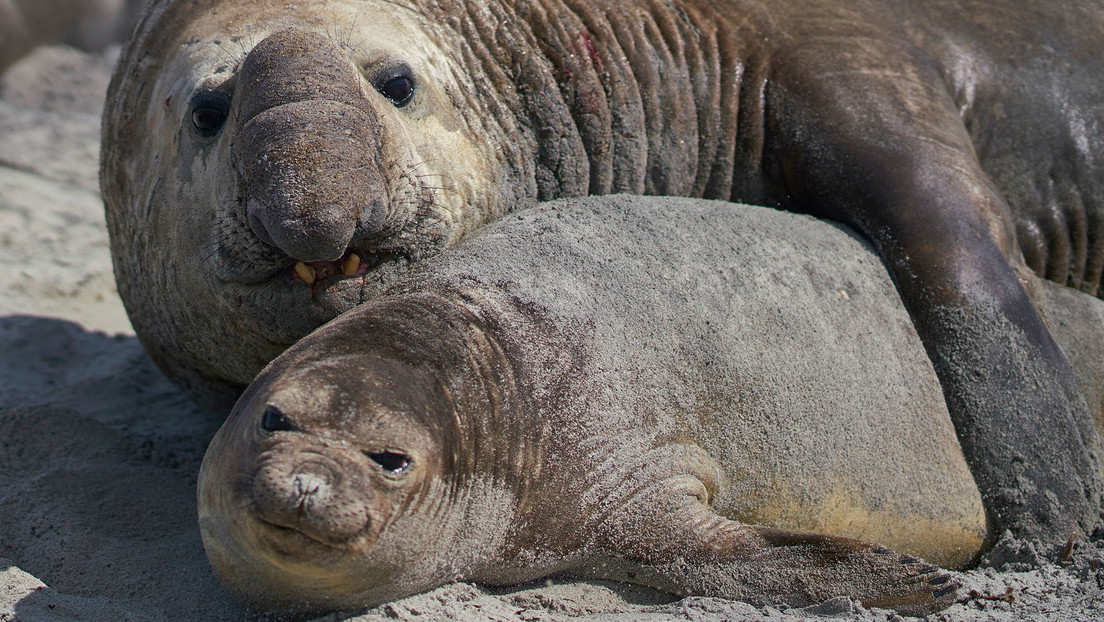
[554,396]
[266,166]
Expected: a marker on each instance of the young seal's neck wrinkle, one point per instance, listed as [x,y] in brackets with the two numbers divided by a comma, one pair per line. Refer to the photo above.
[499,361]
[448,351]
[626,97]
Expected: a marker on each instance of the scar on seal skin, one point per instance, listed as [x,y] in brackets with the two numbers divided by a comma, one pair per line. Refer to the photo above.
[586,402]
[252,149]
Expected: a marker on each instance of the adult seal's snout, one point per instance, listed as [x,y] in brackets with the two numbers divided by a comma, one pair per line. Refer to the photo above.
[310,496]
[308,149]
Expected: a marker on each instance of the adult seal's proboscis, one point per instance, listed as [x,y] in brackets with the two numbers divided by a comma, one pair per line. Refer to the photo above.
[267,166]
[581,401]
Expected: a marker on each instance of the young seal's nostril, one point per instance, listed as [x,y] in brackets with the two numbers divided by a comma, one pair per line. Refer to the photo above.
[308,483]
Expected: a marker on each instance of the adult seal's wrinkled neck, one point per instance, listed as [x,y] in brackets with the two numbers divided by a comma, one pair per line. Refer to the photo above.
[308,148]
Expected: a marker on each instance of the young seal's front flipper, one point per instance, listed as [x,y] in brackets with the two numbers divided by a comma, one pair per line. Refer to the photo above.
[692,550]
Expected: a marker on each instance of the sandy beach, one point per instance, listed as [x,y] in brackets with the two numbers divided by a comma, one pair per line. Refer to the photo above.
[99,452]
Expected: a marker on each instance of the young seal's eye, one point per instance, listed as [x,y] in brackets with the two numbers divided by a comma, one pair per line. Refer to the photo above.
[397,86]
[272,420]
[390,461]
[208,113]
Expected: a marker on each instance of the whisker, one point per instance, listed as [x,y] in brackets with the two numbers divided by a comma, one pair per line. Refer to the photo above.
[405,5]
[351,30]
[233,58]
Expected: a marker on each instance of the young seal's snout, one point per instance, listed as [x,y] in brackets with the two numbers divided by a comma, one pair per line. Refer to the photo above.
[311,493]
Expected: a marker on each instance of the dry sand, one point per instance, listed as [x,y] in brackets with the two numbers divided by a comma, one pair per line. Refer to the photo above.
[99,453]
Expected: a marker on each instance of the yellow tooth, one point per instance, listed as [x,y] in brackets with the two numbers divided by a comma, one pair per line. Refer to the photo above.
[305,272]
[351,265]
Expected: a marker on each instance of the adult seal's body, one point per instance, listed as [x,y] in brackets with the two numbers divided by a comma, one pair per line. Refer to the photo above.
[648,407]
[266,166]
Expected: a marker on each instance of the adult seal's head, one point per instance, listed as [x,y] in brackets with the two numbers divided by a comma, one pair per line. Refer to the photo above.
[265,166]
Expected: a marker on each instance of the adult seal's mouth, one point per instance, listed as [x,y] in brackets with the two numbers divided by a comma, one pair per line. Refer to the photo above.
[330,285]
[349,264]
[353,267]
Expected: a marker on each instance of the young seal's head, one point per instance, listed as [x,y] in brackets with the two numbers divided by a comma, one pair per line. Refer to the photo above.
[367,462]
[321,464]
[265,166]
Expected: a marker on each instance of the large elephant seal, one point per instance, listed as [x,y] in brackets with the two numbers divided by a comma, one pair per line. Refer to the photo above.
[267,166]
[553,395]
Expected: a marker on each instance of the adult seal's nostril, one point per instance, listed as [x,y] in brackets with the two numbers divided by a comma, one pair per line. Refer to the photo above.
[254,211]
[310,177]
[308,150]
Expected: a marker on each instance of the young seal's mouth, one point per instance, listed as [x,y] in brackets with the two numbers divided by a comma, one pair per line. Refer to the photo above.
[292,541]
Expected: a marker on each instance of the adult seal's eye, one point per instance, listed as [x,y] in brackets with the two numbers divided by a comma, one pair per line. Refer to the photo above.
[398,87]
[208,114]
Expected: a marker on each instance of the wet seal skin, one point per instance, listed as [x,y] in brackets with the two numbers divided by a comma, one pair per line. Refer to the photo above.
[580,401]
[268,166]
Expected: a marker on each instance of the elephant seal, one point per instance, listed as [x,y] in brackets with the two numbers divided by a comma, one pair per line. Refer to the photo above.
[554,396]
[267,166]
